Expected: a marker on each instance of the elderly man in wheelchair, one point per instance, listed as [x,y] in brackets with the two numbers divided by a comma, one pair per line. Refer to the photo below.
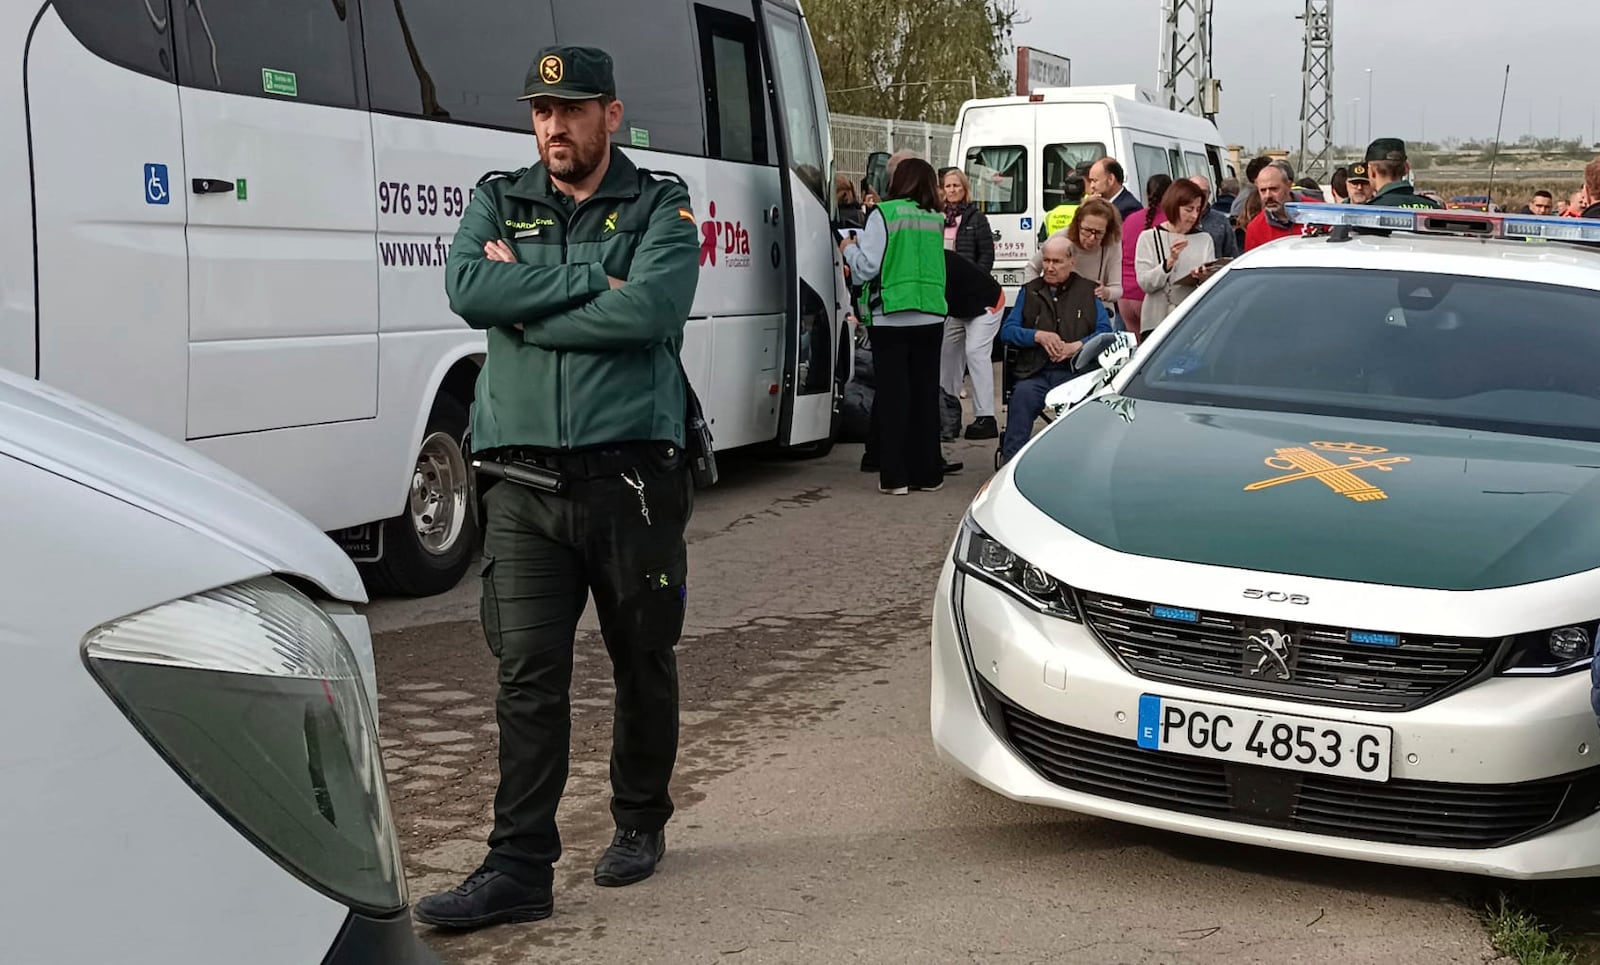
[1054,333]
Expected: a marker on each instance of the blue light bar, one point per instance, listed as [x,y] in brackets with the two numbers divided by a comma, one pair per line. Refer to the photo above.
[1353,215]
[1551,229]
[1474,224]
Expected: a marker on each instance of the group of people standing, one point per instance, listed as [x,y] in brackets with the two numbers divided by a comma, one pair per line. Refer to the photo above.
[922,261]
[1106,262]
[1118,265]
[1141,254]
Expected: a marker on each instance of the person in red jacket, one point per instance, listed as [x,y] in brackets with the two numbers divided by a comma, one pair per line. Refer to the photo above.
[1273,184]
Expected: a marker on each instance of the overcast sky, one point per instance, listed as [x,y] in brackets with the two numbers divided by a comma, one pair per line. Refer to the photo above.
[1438,65]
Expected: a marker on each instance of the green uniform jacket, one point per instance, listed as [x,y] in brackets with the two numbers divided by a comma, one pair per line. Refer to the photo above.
[1401,194]
[591,365]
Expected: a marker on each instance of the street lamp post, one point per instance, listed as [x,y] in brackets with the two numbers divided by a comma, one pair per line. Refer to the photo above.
[1369,105]
[1355,120]
[1272,123]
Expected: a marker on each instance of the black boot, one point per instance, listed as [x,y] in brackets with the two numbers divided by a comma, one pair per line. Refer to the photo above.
[487,897]
[632,857]
[983,427]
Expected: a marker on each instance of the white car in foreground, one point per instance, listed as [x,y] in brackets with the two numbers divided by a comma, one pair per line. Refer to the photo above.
[1319,567]
[188,737]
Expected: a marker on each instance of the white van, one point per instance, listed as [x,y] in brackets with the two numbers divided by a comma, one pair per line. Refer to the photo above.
[1017,151]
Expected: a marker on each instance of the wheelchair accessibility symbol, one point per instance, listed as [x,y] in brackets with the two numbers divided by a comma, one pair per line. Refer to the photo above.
[1027,224]
[156,184]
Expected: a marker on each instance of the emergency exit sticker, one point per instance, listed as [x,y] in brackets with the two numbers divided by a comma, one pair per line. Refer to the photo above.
[279,82]
[641,138]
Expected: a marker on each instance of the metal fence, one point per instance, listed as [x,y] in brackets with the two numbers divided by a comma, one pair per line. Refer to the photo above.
[856,137]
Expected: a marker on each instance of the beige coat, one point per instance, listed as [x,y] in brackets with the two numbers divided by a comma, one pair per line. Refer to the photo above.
[1162,294]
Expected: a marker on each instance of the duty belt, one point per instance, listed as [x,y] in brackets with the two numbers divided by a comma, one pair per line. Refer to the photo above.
[582,464]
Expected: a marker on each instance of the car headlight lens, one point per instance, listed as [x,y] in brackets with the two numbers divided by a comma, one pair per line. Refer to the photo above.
[253,696]
[1551,651]
[981,556]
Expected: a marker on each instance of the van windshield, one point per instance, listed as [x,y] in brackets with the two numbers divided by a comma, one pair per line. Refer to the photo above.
[999,177]
[1063,159]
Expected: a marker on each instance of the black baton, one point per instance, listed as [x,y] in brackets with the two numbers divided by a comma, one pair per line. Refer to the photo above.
[534,477]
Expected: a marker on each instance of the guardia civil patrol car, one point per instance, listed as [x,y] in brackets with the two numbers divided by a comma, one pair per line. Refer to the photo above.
[1318,568]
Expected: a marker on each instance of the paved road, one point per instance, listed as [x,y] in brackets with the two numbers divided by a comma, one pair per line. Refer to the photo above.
[814,823]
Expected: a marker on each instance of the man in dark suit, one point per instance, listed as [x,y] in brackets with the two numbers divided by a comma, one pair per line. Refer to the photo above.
[1105,181]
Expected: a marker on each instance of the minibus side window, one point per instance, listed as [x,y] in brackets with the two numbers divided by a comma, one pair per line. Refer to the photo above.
[291,50]
[1149,162]
[736,125]
[999,177]
[128,33]
[1059,159]
[792,75]
[421,63]
[657,72]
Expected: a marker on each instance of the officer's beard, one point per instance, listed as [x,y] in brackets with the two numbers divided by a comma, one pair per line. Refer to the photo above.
[580,159]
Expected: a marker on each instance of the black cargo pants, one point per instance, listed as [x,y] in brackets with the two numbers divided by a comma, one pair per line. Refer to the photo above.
[543,556]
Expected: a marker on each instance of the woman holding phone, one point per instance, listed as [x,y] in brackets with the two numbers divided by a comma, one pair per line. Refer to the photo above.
[1173,257]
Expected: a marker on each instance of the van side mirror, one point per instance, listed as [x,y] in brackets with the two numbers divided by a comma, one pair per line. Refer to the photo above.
[877,177]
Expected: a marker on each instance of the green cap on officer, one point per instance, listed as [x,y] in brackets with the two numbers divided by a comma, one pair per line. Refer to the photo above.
[570,73]
[1386,149]
[1358,172]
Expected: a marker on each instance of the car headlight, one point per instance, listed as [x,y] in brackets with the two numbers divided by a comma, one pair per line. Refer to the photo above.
[253,696]
[1551,651]
[985,558]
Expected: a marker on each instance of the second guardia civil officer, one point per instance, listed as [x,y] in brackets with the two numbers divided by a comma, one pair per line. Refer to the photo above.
[582,270]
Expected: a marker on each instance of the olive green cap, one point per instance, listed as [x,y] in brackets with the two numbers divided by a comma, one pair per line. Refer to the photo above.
[1386,149]
[570,73]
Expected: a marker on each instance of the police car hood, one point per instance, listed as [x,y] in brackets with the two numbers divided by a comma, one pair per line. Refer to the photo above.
[75,440]
[1344,499]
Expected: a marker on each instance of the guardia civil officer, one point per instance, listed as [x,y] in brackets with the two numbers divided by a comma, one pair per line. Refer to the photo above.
[1390,170]
[582,269]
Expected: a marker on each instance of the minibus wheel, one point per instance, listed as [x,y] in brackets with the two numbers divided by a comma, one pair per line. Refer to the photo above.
[428,547]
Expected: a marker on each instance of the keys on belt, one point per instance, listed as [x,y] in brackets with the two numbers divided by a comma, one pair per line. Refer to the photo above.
[555,483]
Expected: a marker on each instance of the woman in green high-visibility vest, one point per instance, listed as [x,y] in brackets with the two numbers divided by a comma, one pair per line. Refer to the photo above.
[899,257]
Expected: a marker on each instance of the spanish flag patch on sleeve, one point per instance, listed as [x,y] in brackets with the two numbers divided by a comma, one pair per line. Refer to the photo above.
[686,215]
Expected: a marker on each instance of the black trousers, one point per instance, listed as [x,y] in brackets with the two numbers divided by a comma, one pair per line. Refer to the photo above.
[543,556]
[906,364]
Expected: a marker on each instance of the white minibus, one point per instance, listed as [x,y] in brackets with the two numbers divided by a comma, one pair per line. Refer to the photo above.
[228,221]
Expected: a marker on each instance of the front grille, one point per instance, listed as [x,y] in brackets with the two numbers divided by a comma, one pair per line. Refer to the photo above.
[1325,666]
[1421,813]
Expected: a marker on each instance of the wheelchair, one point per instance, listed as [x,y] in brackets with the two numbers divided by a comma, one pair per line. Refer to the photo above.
[1008,381]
